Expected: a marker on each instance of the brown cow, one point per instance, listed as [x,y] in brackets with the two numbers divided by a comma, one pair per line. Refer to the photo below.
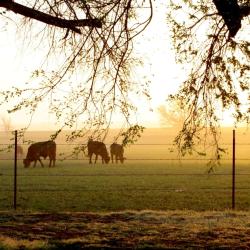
[44,149]
[97,148]
[117,150]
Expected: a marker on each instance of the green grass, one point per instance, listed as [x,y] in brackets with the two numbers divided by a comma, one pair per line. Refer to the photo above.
[136,185]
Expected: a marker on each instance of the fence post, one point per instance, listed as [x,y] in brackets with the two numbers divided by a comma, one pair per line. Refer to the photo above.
[15,170]
[233,172]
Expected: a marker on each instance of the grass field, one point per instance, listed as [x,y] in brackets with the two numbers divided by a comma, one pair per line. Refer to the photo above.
[136,185]
[153,201]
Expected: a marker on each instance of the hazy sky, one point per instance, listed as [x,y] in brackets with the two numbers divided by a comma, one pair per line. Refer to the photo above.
[153,46]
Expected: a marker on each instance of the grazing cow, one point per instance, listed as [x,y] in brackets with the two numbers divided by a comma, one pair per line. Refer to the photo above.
[44,149]
[97,148]
[117,150]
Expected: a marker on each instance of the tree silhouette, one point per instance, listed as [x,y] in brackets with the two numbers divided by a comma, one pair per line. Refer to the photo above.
[207,39]
[90,61]
[173,114]
[7,127]
[232,14]
[91,45]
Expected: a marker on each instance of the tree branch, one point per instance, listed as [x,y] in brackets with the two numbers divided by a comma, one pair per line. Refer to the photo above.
[245,10]
[48,19]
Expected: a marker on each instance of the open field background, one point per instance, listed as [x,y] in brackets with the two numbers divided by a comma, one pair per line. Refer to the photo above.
[154,144]
[154,201]
[74,186]
[153,177]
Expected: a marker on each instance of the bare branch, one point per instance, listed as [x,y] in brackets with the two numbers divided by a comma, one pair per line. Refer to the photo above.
[49,19]
[86,79]
[219,73]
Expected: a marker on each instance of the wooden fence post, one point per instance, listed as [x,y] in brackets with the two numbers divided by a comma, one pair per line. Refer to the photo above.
[15,170]
[233,172]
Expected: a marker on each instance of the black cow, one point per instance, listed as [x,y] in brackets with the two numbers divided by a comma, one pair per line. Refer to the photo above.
[97,148]
[117,150]
[41,149]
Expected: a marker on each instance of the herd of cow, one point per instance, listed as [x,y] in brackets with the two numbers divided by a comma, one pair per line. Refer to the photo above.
[48,149]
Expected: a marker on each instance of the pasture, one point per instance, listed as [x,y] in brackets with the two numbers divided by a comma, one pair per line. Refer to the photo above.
[75,185]
[152,201]
[152,178]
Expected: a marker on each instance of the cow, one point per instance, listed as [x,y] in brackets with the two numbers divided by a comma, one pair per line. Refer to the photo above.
[117,150]
[97,148]
[41,149]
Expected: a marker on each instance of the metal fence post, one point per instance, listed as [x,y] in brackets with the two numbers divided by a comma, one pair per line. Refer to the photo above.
[15,171]
[233,172]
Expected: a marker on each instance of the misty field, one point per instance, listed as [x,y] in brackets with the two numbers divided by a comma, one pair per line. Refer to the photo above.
[156,185]
[152,177]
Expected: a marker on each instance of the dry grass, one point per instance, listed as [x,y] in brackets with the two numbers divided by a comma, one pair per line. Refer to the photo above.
[126,230]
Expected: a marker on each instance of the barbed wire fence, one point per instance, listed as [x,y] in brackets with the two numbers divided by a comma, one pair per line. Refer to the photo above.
[17,158]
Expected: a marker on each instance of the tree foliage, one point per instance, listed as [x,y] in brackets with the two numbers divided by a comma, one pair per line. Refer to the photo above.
[90,55]
[88,47]
[217,62]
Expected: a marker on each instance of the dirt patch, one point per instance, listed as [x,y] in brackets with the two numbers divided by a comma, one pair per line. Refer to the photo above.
[125,230]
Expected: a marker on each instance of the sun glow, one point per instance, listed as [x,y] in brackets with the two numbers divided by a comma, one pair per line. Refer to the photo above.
[159,69]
